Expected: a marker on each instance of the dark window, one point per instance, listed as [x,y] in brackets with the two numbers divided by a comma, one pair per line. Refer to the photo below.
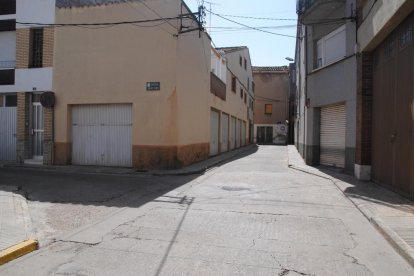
[7,77]
[233,84]
[7,7]
[245,64]
[11,100]
[389,48]
[268,109]
[241,93]
[240,61]
[245,98]
[36,48]
[248,84]
[406,36]
[253,86]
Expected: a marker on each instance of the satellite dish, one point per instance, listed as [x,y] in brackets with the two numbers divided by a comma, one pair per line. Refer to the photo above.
[47,99]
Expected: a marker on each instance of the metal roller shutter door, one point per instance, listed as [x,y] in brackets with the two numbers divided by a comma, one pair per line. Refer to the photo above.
[8,121]
[214,132]
[102,135]
[332,136]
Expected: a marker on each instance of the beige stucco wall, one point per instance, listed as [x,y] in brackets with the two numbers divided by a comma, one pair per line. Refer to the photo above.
[113,65]
[271,85]
[234,104]
[193,86]
[380,20]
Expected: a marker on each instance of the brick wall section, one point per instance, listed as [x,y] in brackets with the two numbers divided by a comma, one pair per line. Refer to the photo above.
[22,48]
[364,109]
[48,46]
[48,144]
[23,121]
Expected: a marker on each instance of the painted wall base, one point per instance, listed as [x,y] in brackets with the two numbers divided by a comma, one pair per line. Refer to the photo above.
[363,172]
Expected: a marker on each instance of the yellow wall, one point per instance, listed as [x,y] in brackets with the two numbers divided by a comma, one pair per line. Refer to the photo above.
[275,86]
[113,65]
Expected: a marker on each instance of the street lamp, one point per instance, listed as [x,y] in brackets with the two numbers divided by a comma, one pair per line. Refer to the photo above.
[289,59]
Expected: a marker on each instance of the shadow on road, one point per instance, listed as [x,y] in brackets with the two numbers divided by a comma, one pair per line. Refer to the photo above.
[95,189]
[370,191]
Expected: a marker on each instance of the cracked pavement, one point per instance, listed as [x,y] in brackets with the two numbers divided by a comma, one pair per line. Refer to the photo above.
[250,216]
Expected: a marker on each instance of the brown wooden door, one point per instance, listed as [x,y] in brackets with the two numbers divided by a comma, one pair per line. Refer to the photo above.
[393,115]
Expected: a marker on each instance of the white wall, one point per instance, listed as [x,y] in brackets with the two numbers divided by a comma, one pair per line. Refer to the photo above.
[35,11]
[27,79]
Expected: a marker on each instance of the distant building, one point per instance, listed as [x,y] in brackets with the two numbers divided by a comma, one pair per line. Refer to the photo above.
[232,115]
[137,94]
[271,104]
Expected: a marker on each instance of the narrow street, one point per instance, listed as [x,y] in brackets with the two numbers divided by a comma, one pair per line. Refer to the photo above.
[251,216]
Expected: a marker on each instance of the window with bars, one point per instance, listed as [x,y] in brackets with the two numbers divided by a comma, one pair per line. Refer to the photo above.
[36,48]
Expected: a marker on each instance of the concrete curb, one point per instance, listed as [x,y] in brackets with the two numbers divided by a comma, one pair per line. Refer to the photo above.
[396,242]
[130,172]
[390,235]
[202,170]
[17,251]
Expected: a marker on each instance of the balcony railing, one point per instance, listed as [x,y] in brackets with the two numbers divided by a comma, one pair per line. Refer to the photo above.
[303,5]
[217,87]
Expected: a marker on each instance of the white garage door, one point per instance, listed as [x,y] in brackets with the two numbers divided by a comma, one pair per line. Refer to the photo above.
[224,132]
[8,121]
[332,136]
[243,135]
[238,133]
[214,132]
[102,135]
[232,133]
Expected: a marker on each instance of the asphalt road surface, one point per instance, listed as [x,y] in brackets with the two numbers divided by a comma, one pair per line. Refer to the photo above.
[250,216]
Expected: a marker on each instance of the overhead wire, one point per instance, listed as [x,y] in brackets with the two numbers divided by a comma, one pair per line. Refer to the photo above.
[250,27]
[156,13]
[96,24]
[141,13]
[259,18]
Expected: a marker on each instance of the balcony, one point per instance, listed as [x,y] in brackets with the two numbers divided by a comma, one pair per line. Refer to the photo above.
[7,72]
[312,11]
[217,86]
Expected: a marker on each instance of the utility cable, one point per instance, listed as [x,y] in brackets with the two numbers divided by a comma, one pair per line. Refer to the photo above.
[97,24]
[250,27]
[259,18]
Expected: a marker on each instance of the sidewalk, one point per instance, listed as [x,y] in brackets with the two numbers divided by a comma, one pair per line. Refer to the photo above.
[196,168]
[15,225]
[391,214]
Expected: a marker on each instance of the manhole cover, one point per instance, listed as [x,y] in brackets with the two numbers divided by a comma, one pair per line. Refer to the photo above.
[234,189]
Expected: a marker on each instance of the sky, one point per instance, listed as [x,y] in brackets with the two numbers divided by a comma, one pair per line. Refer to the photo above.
[265,49]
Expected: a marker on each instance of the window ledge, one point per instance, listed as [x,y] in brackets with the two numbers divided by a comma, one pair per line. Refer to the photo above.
[330,64]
